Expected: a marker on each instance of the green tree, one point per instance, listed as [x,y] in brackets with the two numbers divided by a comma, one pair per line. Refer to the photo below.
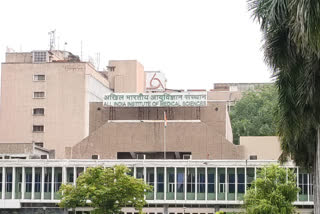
[253,114]
[272,192]
[107,190]
[291,37]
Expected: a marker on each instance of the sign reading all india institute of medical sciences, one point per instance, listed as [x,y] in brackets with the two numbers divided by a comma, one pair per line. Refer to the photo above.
[191,99]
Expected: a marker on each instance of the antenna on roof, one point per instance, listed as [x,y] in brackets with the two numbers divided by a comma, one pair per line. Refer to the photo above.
[52,43]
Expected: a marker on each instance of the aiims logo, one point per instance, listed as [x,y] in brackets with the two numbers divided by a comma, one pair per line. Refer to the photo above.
[155,81]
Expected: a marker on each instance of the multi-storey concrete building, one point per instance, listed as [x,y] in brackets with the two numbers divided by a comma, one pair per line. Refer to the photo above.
[51,99]
[45,98]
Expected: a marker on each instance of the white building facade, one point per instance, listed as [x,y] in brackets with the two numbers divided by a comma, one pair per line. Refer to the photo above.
[180,186]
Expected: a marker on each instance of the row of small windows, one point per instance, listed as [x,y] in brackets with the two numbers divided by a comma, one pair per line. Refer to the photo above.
[38,57]
[184,183]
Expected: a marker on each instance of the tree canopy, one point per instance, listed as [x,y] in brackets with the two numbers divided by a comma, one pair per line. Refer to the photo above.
[291,43]
[272,192]
[107,190]
[253,114]
[291,36]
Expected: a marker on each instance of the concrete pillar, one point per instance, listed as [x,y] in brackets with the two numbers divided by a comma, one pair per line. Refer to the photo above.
[236,183]
[13,182]
[185,183]
[226,184]
[245,180]
[175,183]
[165,184]
[64,175]
[155,183]
[3,182]
[216,184]
[145,178]
[23,186]
[42,183]
[206,183]
[32,183]
[196,184]
[165,209]
[74,176]
[52,183]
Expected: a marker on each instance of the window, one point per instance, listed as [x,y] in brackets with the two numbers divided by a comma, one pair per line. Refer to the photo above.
[180,180]
[39,56]
[201,180]
[38,128]
[211,180]
[44,157]
[191,180]
[160,179]
[38,111]
[28,181]
[37,180]
[9,180]
[40,144]
[150,176]
[39,77]
[47,179]
[231,181]
[38,94]
[95,157]
[253,157]
[240,177]
[303,183]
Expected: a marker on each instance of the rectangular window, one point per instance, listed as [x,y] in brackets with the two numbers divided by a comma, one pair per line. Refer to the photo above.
[241,182]
[28,181]
[150,176]
[211,180]
[222,181]
[180,180]
[191,180]
[39,77]
[39,144]
[38,94]
[38,111]
[160,180]
[47,179]
[38,128]
[37,180]
[44,157]
[201,179]
[9,180]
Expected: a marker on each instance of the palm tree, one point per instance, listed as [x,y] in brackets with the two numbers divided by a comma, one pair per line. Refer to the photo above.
[291,36]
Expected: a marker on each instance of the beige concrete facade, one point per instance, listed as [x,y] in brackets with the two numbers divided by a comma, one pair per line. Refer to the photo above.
[68,88]
[126,76]
[264,147]
[199,130]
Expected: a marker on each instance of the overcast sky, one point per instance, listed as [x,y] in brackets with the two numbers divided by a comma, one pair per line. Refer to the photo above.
[194,42]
